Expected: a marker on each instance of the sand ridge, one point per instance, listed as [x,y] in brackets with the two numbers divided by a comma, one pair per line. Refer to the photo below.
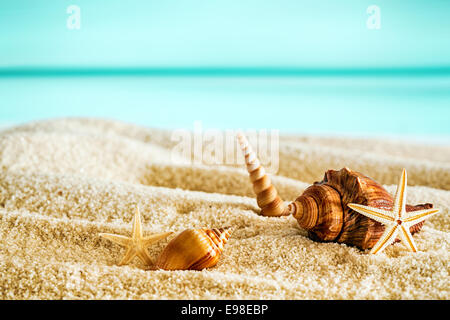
[63,181]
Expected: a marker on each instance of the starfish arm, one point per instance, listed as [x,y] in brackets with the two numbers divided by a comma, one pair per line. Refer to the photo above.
[376,214]
[144,256]
[129,255]
[147,241]
[407,238]
[389,235]
[400,197]
[415,217]
[137,226]
[122,240]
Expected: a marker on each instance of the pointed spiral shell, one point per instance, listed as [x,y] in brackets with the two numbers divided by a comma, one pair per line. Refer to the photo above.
[194,249]
[266,194]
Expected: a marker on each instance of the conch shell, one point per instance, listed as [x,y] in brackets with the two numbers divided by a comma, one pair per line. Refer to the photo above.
[194,249]
[323,209]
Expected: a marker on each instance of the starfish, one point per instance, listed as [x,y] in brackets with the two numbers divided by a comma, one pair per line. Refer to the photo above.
[397,221]
[136,245]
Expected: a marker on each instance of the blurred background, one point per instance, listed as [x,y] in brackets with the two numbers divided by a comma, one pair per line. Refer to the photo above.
[354,67]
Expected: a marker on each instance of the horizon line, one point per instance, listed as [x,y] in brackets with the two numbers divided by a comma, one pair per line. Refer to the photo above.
[214,71]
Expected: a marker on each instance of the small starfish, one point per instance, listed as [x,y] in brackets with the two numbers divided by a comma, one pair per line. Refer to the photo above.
[136,245]
[397,221]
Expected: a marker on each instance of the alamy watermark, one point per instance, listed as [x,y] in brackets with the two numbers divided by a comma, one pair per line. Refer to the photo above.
[74,18]
[220,147]
[374,20]
[73,22]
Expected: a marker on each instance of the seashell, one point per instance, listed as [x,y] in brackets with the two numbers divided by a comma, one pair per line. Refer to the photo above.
[194,249]
[323,209]
[266,194]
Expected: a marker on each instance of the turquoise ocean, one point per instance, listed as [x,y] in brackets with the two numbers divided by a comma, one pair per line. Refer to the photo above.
[296,66]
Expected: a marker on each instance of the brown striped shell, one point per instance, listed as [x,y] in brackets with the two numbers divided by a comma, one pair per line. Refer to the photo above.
[194,249]
[323,209]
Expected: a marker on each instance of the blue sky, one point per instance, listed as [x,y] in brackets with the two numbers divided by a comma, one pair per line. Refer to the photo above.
[313,34]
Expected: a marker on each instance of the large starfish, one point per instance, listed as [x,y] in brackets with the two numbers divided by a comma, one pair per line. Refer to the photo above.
[136,245]
[397,221]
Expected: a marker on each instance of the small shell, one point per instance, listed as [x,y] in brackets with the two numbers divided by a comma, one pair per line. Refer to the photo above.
[194,249]
[266,194]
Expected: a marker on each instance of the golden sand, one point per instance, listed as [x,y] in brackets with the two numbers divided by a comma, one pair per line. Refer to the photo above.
[64,181]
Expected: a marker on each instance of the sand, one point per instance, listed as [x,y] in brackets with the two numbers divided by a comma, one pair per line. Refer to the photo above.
[64,181]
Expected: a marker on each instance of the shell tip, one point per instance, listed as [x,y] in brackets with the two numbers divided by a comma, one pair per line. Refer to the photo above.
[229,229]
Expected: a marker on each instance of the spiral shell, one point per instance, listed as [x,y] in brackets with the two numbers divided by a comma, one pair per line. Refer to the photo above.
[266,194]
[194,249]
[323,209]
[327,204]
